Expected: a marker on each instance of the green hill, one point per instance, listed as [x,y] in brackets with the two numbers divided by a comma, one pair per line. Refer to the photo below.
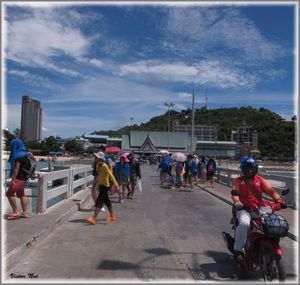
[276,136]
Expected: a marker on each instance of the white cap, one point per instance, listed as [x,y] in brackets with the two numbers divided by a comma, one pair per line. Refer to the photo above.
[100,155]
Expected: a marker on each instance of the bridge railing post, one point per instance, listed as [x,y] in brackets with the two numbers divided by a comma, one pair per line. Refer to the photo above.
[42,188]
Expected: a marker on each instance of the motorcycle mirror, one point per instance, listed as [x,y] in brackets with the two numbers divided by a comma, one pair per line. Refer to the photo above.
[285,192]
[235,193]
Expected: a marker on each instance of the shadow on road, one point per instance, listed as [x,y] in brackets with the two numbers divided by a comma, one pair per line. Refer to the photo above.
[158,251]
[223,267]
[117,265]
[83,221]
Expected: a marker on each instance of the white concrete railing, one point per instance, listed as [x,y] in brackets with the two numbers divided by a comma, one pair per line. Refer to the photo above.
[226,176]
[64,182]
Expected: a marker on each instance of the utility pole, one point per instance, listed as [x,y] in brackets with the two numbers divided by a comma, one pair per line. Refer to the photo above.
[206,98]
[169,105]
[131,119]
[193,121]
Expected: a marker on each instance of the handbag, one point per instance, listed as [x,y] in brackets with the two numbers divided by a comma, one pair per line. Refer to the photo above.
[139,184]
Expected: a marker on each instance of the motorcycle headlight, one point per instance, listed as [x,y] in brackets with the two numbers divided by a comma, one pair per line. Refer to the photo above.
[264,210]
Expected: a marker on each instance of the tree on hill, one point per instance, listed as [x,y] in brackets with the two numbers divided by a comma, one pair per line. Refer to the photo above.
[276,136]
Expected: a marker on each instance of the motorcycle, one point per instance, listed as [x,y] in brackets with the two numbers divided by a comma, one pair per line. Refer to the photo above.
[262,251]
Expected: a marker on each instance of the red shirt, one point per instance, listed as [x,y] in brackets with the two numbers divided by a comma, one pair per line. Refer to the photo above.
[247,197]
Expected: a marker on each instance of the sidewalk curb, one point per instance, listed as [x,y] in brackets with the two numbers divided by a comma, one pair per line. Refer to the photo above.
[289,234]
[11,257]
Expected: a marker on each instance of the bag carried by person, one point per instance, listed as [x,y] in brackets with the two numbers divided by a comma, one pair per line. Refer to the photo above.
[30,165]
[139,184]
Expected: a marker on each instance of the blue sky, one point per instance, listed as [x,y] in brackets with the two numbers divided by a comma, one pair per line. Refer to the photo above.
[93,66]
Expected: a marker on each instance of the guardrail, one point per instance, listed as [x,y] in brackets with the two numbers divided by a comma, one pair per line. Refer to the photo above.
[226,176]
[49,188]
[63,183]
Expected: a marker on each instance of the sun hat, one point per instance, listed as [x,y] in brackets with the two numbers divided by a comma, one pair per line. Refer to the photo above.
[125,157]
[100,155]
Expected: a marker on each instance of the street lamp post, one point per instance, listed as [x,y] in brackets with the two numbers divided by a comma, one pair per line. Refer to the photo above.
[169,105]
[193,121]
[131,119]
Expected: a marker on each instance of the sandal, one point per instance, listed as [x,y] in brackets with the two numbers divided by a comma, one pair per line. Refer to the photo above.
[24,216]
[13,217]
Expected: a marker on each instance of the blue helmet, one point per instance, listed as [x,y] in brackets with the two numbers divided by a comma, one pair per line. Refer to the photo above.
[248,166]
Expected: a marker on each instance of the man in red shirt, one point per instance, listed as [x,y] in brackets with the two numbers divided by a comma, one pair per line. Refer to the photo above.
[251,187]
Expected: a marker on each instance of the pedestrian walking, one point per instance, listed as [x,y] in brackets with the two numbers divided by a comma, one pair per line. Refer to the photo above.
[191,170]
[103,181]
[135,173]
[164,167]
[122,174]
[173,175]
[211,169]
[202,170]
[180,173]
[18,165]
[94,190]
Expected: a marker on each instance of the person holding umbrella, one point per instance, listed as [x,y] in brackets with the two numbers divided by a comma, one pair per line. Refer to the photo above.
[180,158]
[164,167]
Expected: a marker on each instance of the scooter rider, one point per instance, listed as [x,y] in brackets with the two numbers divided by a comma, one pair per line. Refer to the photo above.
[251,187]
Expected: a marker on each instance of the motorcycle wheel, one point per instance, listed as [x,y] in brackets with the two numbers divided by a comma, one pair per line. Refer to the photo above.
[272,268]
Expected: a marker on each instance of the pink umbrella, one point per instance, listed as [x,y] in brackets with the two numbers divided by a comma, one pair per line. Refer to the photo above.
[179,156]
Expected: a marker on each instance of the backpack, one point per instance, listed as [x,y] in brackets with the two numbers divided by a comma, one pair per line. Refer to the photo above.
[30,165]
[210,166]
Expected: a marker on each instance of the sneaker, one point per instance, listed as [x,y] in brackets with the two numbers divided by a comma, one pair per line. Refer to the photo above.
[91,220]
[102,209]
[238,255]
[111,218]
[229,240]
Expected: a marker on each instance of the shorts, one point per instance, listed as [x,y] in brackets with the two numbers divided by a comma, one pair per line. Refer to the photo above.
[103,197]
[124,180]
[209,174]
[180,178]
[18,187]
[173,179]
[133,180]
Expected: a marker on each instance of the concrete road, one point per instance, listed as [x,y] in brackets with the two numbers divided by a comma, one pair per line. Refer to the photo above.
[161,235]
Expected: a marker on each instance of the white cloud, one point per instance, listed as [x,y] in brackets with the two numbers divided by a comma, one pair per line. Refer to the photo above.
[184,95]
[205,72]
[212,29]
[34,79]
[173,71]
[37,40]
[96,62]
[111,89]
